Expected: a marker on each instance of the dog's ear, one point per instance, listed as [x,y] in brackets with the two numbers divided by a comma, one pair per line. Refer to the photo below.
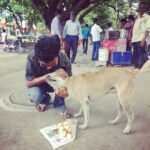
[61,73]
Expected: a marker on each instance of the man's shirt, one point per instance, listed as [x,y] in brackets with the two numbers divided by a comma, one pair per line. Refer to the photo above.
[95,32]
[142,24]
[72,28]
[85,32]
[34,70]
[56,27]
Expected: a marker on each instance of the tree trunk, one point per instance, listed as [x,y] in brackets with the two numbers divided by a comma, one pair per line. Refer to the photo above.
[48,9]
[30,26]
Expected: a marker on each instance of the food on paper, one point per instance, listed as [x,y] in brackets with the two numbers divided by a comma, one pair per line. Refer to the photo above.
[64,129]
[61,133]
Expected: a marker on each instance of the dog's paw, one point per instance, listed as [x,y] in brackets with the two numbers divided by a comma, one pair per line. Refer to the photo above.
[82,126]
[127,130]
[112,122]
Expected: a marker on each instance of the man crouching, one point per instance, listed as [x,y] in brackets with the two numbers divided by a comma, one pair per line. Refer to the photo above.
[44,60]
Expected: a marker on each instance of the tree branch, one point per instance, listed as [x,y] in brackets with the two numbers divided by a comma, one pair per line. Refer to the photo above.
[86,11]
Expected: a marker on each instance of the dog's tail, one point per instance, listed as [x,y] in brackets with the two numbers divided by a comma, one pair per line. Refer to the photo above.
[146,67]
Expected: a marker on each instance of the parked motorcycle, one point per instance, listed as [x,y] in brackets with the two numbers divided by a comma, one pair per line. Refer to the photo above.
[20,45]
[11,45]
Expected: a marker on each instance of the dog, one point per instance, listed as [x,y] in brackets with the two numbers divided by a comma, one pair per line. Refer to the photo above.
[83,86]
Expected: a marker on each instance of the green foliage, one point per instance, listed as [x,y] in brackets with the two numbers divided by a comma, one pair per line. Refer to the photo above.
[108,12]
[100,13]
[22,9]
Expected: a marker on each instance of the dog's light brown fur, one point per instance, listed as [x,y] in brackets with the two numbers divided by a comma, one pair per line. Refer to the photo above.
[82,86]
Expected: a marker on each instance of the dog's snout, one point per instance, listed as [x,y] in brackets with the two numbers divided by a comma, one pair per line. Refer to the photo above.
[48,77]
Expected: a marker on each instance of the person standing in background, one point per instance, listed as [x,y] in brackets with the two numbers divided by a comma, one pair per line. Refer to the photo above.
[122,27]
[129,28]
[85,34]
[4,38]
[96,35]
[72,33]
[141,30]
[108,27]
[56,25]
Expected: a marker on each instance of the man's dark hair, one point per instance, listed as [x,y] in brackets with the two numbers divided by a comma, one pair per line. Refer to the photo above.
[109,24]
[95,20]
[73,13]
[123,20]
[3,30]
[131,17]
[47,48]
[58,12]
[86,25]
[146,4]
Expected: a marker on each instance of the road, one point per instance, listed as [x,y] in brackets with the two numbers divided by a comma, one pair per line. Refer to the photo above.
[19,130]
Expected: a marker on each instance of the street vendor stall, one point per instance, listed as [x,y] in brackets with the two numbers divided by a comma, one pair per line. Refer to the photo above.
[117,49]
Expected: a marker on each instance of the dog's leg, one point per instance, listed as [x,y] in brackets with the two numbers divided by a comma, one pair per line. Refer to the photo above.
[130,119]
[127,109]
[85,107]
[124,96]
[119,114]
[79,113]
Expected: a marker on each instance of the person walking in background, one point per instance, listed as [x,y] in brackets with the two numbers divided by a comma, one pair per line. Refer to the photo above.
[56,25]
[96,36]
[4,38]
[19,36]
[85,35]
[72,33]
[129,28]
[141,30]
[45,59]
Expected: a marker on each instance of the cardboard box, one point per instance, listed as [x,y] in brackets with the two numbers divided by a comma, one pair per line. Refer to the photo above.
[121,45]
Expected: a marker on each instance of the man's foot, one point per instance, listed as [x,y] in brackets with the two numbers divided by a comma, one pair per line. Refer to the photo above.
[41,107]
[65,115]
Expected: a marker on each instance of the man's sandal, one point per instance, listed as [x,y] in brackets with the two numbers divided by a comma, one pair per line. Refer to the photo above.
[41,107]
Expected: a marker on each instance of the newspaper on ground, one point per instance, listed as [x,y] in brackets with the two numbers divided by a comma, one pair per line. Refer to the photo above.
[61,133]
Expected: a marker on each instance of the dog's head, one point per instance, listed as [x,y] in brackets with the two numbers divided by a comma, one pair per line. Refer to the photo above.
[57,79]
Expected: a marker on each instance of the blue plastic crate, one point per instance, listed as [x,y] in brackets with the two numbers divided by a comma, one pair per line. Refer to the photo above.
[121,58]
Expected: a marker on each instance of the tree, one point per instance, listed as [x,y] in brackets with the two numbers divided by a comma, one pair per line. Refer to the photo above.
[48,7]
[21,10]
[107,11]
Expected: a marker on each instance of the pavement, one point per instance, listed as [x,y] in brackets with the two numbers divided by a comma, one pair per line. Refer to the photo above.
[20,122]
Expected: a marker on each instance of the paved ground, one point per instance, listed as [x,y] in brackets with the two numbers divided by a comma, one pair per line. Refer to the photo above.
[20,122]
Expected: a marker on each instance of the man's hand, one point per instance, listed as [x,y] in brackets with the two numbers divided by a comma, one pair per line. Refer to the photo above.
[143,44]
[63,92]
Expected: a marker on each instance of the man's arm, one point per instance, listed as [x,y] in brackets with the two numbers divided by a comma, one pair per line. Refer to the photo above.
[31,79]
[36,81]
[99,29]
[42,79]
[65,63]
[65,30]
[143,42]
[57,28]
[147,30]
